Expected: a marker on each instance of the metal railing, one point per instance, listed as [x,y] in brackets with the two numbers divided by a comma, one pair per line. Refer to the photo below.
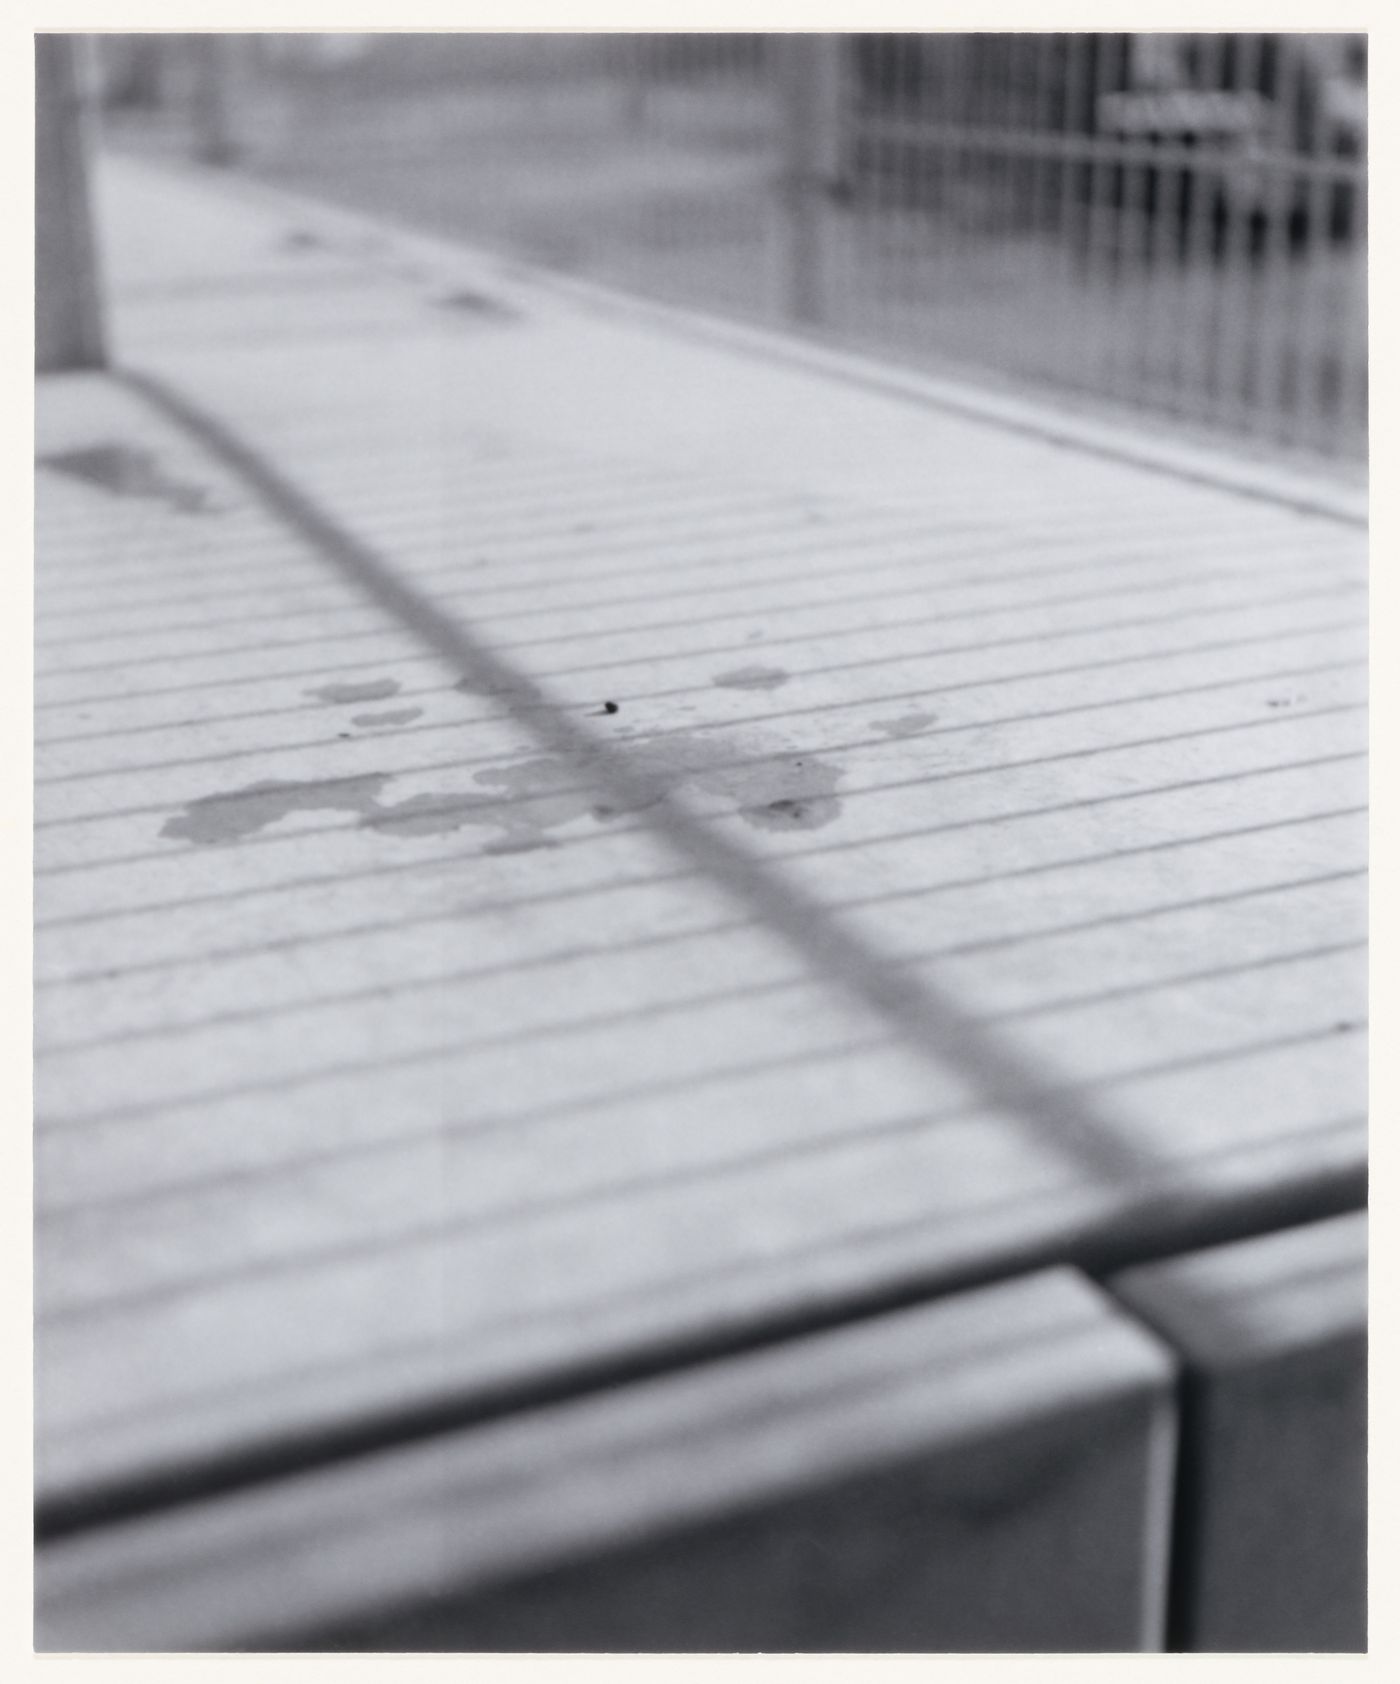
[1170,222]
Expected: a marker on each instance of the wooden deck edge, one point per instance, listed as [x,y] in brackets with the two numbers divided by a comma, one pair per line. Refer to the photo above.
[1018,1434]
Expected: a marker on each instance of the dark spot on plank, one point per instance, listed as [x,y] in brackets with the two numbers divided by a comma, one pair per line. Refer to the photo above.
[350,244]
[789,810]
[394,716]
[608,707]
[518,844]
[468,302]
[124,471]
[373,690]
[751,678]
[906,725]
[492,690]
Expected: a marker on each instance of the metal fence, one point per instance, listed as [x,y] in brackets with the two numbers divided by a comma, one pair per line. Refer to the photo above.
[1171,222]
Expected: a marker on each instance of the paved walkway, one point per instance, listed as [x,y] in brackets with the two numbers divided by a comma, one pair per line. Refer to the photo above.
[563,846]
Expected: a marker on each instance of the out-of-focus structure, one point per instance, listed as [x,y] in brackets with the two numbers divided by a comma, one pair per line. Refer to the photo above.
[68,330]
[1175,223]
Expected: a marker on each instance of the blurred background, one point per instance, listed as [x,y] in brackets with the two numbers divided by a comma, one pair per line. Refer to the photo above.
[1172,224]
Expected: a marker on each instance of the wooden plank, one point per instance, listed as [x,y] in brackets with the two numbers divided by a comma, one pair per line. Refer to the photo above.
[348,1120]
[990,1472]
[1271,1333]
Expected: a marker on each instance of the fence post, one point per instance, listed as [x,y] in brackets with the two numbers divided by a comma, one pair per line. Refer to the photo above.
[812,71]
[68,309]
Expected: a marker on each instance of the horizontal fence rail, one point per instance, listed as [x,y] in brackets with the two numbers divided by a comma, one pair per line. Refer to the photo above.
[1173,223]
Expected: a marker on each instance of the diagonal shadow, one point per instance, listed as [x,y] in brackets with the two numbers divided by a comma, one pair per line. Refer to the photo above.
[929,1020]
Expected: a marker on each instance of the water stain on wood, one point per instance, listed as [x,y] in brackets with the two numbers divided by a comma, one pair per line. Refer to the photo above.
[124,471]
[372,690]
[751,678]
[765,784]
[768,786]
[393,716]
[906,725]
[243,812]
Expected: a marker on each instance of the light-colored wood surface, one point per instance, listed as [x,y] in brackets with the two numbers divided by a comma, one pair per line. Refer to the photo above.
[990,892]
[1271,1333]
[992,1471]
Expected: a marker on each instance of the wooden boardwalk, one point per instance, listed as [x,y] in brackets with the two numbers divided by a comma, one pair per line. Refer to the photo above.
[567,851]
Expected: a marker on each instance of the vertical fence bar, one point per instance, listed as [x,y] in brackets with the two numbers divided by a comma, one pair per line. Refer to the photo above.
[1076,187]
[976,97]
[929,193]
[1261,349]
[68,326]
[1352,403]
[1302,204]
[1151,196]
[1104,223]
[215,127]
[891,265]
[1139,281]
[1322,332]
[630,67]
[891,277]
[1115,214]
[1165,259]
[995,213]
[1279,391]
[811,90]
[1199,327]
[1014,304]
[1356,384]
[800,281]
[1043,184]
[841,187]
[1238,358]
